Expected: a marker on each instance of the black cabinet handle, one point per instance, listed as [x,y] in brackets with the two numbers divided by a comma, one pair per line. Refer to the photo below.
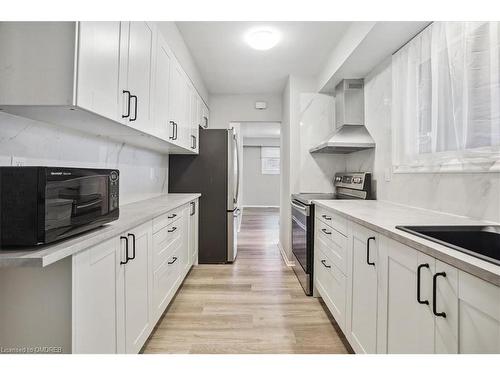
[193,208]
[126,250]
[326,217]
[425,265]
[324,263]
[135,107]
[172,216]
[173,130]
[434,294]
[206,121]
[173,261]
[193,142]
[133,243]
[172,230]
[128,103]
[325,231]
[368,251]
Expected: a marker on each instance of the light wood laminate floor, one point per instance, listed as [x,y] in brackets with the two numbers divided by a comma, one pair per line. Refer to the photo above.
[255,305]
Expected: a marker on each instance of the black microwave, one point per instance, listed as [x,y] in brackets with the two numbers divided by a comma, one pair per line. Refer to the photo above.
[40,205]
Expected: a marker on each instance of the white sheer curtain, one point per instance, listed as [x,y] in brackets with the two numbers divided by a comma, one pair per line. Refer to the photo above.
[446,99]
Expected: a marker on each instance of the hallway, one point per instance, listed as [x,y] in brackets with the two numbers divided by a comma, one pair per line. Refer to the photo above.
[255,305]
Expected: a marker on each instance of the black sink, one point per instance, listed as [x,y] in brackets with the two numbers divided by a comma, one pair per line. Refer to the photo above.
[480,241]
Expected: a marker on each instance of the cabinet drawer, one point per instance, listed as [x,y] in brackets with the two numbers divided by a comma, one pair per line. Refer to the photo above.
[165,242]
[165,284]
[331,285]
[331,243]
[331,219]
[166,219]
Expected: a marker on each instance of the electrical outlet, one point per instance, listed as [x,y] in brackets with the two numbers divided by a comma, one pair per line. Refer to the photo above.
[17,161]
[387,174]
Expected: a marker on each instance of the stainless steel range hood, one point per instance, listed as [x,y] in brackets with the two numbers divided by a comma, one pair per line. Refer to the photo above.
[351,134]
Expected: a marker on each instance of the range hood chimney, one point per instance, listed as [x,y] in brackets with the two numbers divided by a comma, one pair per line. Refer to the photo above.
[351,134]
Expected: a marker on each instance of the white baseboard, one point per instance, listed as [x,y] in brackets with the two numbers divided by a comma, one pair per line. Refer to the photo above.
[288,262]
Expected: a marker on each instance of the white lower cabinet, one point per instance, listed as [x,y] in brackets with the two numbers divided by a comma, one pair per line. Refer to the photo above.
[135,287]
[400,300]
[408,324]
[362,288]
[122,287]
[193,232]
[95,310]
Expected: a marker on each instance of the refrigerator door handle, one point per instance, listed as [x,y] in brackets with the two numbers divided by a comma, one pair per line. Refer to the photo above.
[237,195]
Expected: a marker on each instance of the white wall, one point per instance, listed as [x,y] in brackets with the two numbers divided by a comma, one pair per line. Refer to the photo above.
[290,153]
[259,189]
[225,109]
[176,43]
[143,173]
[471,194]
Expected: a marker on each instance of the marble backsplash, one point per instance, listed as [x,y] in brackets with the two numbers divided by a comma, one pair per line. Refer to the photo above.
[143,173]
[475,195]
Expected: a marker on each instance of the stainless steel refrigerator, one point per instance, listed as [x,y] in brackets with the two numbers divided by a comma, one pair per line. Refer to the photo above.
[214,173]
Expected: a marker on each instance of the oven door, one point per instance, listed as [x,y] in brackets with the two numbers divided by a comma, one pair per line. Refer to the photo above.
[76,200]
[300,223]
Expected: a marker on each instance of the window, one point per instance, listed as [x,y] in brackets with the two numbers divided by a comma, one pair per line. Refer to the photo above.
[446,99]
[270,160]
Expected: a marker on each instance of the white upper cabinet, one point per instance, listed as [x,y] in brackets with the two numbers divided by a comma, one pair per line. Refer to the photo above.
[162,90]
[99,68]
[135,78]
[96,77]
[205,117]
[194,119]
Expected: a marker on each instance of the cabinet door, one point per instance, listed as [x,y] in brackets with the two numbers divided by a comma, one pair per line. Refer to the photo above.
[446,298]
[137,278]
[205,117]
[479,315]
[176,103]
[185,251]
[98,68]
[161,100]
[194,120]
[362,290]
[94,299]
[407,326]
[193,233]
[139,74]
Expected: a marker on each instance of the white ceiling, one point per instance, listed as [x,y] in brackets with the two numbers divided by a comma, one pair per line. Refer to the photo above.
[260,129]
[229,66]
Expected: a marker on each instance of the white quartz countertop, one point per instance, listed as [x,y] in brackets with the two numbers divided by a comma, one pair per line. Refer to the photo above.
[383,217]
[131,215]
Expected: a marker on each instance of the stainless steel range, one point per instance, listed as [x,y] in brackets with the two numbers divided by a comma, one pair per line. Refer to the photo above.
[355,185]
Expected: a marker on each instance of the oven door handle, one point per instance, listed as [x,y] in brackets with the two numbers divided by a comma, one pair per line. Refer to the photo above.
[303,209]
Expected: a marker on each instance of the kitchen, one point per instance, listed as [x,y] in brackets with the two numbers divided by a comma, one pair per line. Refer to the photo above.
[128,223]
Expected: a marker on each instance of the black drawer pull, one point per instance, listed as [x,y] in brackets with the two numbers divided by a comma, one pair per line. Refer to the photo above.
[171,216]
[368,251]
[172,230]
[434,294]
[425,265]
[325,231]
[324,263]
[326,217]
[173,261]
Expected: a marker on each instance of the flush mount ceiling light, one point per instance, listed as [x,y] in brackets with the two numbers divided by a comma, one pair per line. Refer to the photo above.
[262,38]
